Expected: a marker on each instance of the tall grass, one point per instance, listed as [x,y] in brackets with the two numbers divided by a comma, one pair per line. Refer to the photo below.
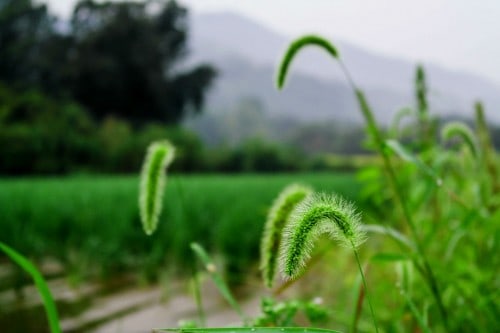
[437,196]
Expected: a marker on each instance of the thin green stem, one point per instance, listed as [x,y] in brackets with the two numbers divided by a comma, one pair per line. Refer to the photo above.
[358,300]
[198,299]
[414,311]
[376,134]
[366,289]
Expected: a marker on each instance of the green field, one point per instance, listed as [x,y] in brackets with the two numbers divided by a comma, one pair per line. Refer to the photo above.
[91,223]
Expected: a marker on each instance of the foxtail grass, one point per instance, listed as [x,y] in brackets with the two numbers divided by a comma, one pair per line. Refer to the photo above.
[316,215]
[461,130]
[379,142]
[159,155]
[278,215]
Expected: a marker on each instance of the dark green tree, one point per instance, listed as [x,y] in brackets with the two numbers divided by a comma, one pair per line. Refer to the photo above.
[24,29]
[114,58]
[124,61]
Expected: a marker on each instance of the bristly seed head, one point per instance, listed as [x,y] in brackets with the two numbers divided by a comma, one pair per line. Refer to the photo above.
[295,47]
[318,214]
[278,216]
[463,131]
[159,155]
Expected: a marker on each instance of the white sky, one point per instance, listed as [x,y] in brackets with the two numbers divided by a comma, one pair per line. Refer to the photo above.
[457,34]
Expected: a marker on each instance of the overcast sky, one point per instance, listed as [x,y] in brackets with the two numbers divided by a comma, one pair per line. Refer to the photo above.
[457,34]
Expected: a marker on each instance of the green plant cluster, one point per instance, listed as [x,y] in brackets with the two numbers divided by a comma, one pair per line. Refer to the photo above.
[444,208]
[449,182]
[438,203]
[285,313]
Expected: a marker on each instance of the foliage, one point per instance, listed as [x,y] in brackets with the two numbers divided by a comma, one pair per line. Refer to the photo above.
[24,29]
[438,205]
[28,145]
[314,215]
[41,285]
[283,314]
[115,58]
[442,199]
[257,155]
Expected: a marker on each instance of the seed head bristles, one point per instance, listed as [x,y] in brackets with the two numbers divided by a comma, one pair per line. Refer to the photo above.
[463,131]
[278,216]
[318,214]
[294,48]
[159,155]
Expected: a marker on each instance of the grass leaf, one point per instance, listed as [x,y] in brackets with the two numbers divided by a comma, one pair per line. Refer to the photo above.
[247,330]
[217,278]
[394,234]
[389,257]
[41,285]
[408,156]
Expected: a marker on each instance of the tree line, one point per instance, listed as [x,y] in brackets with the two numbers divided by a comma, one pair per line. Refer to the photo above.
[70,89]
[113,58]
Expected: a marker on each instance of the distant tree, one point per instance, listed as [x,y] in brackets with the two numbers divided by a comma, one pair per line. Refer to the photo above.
[114,58]
[124,61]
[24,28]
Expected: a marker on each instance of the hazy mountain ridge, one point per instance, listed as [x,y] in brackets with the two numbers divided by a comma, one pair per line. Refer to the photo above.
[247,53]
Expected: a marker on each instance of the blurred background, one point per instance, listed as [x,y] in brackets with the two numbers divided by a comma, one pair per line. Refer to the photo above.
[85,86]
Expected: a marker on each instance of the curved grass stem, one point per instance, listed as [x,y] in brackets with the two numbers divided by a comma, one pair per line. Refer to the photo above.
[366,289]
[376,134]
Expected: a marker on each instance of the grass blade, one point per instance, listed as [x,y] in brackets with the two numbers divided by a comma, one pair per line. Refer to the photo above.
[247,330]
[408,156]
[389,257]
[217,278]
[394,234]
[43,289]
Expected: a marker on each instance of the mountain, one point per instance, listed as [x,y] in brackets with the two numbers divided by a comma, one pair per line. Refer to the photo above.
[246,54]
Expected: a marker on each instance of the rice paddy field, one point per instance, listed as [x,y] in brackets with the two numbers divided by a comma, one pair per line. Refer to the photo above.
[90,224]
[85,235]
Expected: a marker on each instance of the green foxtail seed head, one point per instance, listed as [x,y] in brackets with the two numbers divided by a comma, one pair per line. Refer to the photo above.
[278,216]
[421,90]
[463,131]
[482,129]
[294,48]
[159,155]
[398,118]
[318,214]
